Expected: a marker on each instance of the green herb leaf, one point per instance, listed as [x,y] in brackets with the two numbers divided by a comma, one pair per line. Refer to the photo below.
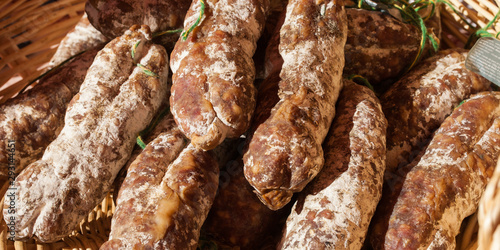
[167,32]
[202,12]
[151,126]
[147,71]
[140,142]
[134,48]
[361,79]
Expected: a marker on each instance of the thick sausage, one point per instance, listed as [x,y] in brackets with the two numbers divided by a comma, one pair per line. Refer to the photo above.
[381,48]
[377,53]
[415,107]
[285,151]
[213,96]
[113,17]
[417,104]
[166,124]
[335,209]
[116,101]
[447,183]
[165,196]
[34,118]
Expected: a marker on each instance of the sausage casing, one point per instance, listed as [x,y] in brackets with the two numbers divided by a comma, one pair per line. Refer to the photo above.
[446,184]
[34,118]
[415,107]
[335,209]
[285,151]
[113,17]
[116,101]
[165,196]
[417,104]
[213,96]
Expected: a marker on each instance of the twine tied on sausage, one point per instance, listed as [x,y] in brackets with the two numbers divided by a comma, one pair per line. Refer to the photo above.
[408,13]
[186,33]
[483,32]
[140,142]
[144,68]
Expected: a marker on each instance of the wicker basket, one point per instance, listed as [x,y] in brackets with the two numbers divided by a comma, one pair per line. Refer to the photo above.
[31,31]
[90,234]
[474,14]
[489,214]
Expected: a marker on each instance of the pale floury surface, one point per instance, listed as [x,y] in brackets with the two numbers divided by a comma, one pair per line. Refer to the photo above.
[34,118]
[285,151]
[116,101]
[213,96]
[335,209]
[447,183]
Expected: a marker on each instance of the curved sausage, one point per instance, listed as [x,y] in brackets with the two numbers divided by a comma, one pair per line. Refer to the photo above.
[285,151]
[116,101]
[335,209]
[446,184]
[213,96]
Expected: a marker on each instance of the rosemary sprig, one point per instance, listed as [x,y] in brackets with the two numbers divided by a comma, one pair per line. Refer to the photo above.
[140,142]
[134,49]
[186,33]
[460,104]
[147,71]
[168,32]
[144,68]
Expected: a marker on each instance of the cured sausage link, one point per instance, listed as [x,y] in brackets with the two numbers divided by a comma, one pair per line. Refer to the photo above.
[116,101]
[285,151]
[335,209]
[213,96]
[34,118]
[447,183]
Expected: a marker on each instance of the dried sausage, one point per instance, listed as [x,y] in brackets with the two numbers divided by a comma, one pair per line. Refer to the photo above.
[116,101]
[285,151]
[335,209]
[213,96]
